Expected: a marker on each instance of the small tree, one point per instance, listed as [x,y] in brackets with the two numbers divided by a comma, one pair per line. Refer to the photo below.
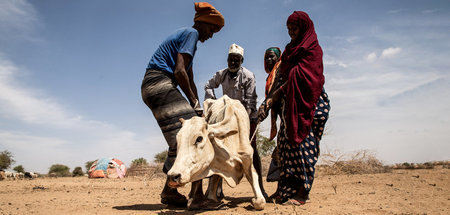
[78,171]
[59,170]
[139,162]
[264,145]
[6,159]
[88,165]
[161,157]
[19,169]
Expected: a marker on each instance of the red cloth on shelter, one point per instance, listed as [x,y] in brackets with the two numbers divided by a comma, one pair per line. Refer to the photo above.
[302,67]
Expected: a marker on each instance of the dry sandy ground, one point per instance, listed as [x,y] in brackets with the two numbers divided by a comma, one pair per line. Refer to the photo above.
[399,192]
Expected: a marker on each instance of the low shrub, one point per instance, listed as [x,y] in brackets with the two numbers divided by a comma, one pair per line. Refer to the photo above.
[360,162]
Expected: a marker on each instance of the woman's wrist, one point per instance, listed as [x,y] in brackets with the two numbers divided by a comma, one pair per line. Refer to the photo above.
[264,103]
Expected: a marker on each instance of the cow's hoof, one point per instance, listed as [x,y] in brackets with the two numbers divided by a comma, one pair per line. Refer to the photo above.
[258,203]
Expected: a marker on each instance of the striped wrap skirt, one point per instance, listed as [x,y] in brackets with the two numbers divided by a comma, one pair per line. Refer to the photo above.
[159,92]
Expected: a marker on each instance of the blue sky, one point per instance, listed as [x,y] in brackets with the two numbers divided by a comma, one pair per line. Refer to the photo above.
[70,74]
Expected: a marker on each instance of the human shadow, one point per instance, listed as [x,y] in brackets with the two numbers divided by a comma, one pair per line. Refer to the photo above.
[159,207]
[232,202]
[141,207]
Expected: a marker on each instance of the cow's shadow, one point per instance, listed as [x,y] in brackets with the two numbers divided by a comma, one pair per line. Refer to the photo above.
[141,207]
[232,202]
[158,207]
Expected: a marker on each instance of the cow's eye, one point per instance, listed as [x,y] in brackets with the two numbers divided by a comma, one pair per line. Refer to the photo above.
[199,139]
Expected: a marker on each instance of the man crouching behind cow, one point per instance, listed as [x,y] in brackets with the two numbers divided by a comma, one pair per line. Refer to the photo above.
[216,145]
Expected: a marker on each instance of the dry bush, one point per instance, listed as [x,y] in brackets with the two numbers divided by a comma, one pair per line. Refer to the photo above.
[446,165]
[335,163]
[442,163]
[426,165]
[360,162]
[265,163]
[146,170]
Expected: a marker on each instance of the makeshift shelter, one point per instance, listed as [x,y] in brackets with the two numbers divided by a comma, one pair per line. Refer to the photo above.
[107,168]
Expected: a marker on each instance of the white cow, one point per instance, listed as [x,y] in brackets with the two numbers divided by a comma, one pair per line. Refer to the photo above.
[19,175]
[9,175]
[217,144]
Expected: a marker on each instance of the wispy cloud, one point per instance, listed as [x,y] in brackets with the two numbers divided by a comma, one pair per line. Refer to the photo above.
[27,104]
[416,89]
[390,52]
[396,11]
[386,53]
[333,62]
[35,153]
[23,141]
[352,39]
[372,57]
[71,132]
[40,130]
[17,19]
[430,11]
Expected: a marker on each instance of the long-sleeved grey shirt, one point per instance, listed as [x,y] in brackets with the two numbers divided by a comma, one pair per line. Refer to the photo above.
[242,87]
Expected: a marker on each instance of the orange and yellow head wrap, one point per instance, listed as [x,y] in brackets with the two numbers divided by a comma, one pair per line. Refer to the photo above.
[205,12]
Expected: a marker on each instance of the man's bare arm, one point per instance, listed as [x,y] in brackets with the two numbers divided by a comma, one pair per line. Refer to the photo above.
[183,79]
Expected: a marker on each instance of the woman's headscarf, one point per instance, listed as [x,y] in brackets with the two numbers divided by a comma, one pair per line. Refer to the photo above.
[276,51]
[272,73]
[302,67]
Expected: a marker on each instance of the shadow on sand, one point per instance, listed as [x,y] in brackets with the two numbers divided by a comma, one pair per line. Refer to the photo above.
[232,203]
[155,207]
[235,202]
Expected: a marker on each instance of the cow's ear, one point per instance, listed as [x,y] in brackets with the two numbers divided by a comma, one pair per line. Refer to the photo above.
[206,112]
[182,121]
[222,131]
[228,126]
[207,103]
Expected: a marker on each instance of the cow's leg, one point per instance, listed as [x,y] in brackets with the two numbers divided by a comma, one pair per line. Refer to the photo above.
[259,201]
[212,192]
[196,196]
[258,168]
[257,159]
[219,190]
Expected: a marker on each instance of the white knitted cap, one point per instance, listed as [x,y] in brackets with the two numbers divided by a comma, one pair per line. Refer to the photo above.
[235,49]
